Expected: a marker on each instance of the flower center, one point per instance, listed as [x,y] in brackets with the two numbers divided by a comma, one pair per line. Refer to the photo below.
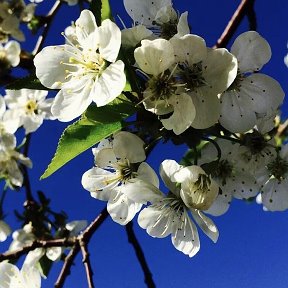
[161,87]
[278,168]
[223,171]
[31,107]
[236,85]
[126,170]
[192,76]
[168,29]
[255,142]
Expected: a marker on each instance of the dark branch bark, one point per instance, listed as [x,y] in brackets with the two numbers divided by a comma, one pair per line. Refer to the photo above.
[251,15]
[140,255]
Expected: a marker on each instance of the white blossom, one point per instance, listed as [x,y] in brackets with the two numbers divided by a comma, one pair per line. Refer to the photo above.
[119,173]
[168,214]
[29,106]
[162,95]
[10,159]
[204,73]
[5,230]
[251,92]
[82,71]
[12,277]
[9,54]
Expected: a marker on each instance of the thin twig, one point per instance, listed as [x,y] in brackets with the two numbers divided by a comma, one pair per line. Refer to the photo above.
[140,255]
[233,24]
[49,17]
[87,263]
[65,271]
[84,237]
[251,15]
[11,255]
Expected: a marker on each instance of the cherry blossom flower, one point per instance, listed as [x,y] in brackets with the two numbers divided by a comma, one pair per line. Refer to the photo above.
[12,277]
[84,72]
[204,73]
[168,214]
[162,94]
[29,107]
[251,92]
[120,172]
[9,55]
[5,230]
[10,159]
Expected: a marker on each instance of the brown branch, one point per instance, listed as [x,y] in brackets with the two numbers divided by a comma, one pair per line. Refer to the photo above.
[140,255]
[87,263]
[11,255]
[49,17]
[83,238]
[235,21]
[65,271]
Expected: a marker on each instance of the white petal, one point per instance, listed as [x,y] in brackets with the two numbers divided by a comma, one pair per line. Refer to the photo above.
[207,107]
[105,157]
[274,195]
[183,114]
[130,146]
[5,231]
[251,50]
[75,227]
[110,84]
[185,236]
[8,275]
[49,69]
[189,48]
[221,204]
[236,114]
[31,277]
[265,93]
[13,50]
[131,37]
[144,12]
[85,25]
[183,26]
[70,104]
[167,169]
[142,192]
[156,222]
[32,123]
[206,224]
[33,257]
[54,253]
[121,209]
[95,181]
[220,69]
[109,40]
[154,57]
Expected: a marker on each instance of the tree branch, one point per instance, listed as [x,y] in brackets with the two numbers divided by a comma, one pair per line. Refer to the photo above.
[140,255]
[241,11]
[49,17]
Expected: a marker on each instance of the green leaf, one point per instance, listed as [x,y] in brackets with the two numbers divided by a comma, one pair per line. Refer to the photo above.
[29,82]
[101,10]
[96,124]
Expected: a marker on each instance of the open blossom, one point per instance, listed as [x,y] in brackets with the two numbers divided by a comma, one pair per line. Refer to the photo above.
[169,214]
[158,16]
[12,277]
[9,55]
[7,125]
[28,107]
[162,94]
[84,72]
[10,159]
[274,179]
[251,93]
[5,230]
[120,171]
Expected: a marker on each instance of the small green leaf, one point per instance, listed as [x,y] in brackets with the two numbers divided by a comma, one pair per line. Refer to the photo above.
[96,124]
[106,10]
[29,82]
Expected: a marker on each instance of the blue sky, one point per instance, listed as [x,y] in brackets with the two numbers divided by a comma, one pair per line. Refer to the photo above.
[253,245]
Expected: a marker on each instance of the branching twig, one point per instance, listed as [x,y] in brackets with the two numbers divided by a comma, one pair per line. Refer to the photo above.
[140,255]
[65,271]
[87,263]
[235,21]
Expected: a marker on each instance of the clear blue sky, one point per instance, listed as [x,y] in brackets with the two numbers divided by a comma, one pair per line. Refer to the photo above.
[253,245]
